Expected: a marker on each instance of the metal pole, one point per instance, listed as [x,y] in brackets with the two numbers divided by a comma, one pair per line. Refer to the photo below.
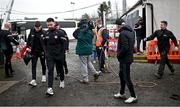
[104,18]
[7,14]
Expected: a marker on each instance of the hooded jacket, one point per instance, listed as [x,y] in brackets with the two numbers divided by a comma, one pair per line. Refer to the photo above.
[84,43]
[126,42]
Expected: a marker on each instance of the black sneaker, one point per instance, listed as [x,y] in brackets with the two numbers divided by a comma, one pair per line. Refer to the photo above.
[172,71]
[175,97]
[57,77]
[158,76]
[13,72]
[102,70]
[66,71]
[96,76]
[9,75]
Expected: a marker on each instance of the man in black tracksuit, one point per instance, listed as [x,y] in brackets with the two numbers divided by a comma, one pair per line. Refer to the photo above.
[54,44]
[66,49]
[163,36]
[125,57]
[36,43]
[5,41]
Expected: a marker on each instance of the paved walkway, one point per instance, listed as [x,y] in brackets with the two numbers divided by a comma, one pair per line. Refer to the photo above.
[150,91]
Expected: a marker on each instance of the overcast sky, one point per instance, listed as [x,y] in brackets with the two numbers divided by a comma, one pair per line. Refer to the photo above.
[49,6]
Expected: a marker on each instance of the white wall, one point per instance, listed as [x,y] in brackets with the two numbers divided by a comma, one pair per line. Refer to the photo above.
[148,21]
[167,10]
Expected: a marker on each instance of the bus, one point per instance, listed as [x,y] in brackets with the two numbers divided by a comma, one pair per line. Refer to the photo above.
[23,27]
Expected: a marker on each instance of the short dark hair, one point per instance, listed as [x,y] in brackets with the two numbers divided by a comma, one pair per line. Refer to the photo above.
[37,24]
[50,20]
[165,22]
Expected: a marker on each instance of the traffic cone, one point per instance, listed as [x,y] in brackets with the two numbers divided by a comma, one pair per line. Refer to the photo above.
[18,54]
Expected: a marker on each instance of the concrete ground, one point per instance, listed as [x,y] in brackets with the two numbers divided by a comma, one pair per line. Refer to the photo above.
[150,91]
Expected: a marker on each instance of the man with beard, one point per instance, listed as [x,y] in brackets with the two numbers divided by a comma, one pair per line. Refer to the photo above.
[54,47]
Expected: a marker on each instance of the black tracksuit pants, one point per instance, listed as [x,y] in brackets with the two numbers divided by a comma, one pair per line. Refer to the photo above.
[64,68]
[139,39]
[51,62]
[125,79]
[164,60]
[101,58]
[34,64]
[8,66]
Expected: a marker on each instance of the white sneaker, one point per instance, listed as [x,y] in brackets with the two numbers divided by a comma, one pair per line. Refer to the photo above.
[49,91]
[43,78]
[131,100]
[62,85]
[33,83]
[84,81]
[99,72]
[119,96]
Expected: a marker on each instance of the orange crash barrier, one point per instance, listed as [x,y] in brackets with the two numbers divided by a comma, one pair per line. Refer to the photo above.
[174,55]
[153,55]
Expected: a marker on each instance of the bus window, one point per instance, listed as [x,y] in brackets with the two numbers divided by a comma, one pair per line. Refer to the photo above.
[67,24]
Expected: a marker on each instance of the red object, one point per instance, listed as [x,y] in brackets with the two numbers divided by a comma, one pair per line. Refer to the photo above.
[153,55]
[112,46]
[23,52]
[18,54]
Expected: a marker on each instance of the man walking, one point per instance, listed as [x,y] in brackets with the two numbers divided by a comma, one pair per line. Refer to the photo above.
[163,36]
[54,46]
[125,57]
[36,44]
[84,50]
